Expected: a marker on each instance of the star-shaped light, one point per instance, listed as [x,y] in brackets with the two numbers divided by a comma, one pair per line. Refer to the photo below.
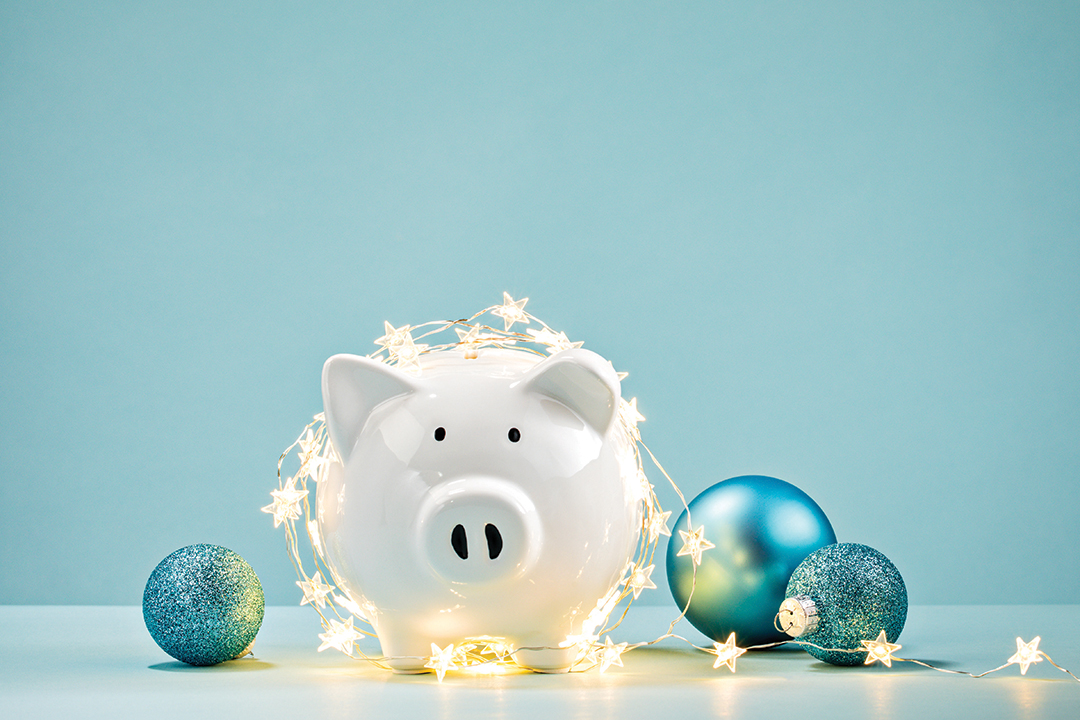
[341,635]
[694,543]
[311,464]
[407,354]
[392,337]
[286,505]
[658,525]
[512,311]
[879,650]
[497,647]
[1026,654]
[315,590]
[621,375]
[556,342]
[472,340]
[640,580]
[441,660]
[599,614]
[727,653]
[610,654]
[630,417]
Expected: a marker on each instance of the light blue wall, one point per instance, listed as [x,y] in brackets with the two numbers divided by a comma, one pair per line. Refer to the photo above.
[837,244]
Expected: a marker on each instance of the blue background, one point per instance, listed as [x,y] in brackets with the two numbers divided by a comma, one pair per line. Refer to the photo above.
[835,244]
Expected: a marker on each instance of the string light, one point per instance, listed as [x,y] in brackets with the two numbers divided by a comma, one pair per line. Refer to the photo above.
[630,417]
[315,590]
[340,635]
[727,653]
[658,525]
[512,311]
[338,610]
[406,355]
[879,650]
[441,660]
[640,579]
[286,505]
[610,654]
[694,543]
[1026,654]
[556,342]
[392,337]
[404,347]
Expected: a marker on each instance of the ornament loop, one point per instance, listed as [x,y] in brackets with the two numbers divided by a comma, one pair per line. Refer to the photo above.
[798,616]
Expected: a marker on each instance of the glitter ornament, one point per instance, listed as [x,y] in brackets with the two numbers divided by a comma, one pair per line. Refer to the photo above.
[841,596]
[203,605]
[760,528]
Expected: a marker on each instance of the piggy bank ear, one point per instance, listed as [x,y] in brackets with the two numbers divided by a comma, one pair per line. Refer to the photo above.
[353,386]
[582,381]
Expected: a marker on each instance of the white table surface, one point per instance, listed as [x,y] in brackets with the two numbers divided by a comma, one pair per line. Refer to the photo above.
[91,662]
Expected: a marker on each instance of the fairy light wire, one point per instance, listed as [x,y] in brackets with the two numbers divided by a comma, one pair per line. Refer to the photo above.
[345,619]
[403,347]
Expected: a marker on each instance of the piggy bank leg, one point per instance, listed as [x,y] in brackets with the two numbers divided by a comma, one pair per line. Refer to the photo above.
[546,660]
[405,654]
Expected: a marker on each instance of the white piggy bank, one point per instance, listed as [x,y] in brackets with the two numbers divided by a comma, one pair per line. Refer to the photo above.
[494,496]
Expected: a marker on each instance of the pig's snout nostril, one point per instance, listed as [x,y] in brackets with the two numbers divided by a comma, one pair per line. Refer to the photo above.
[494,540]
[460,542]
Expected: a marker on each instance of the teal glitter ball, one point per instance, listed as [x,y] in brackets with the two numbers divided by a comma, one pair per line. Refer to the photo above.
[203,605]
[762,528]
[857,593]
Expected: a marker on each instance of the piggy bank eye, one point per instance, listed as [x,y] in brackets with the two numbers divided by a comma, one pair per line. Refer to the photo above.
[514,434]
[440,433]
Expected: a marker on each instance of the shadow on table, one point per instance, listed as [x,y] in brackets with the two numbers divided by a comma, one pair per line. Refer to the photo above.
[240,665]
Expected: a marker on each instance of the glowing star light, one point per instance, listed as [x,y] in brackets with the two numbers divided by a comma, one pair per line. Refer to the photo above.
[512,311]
[879,650]
[658,525]
[286,505]
[556,342]
[312,464]
[640,579]
[610,654]
[407,354]
[393,337]
[727,653]
[315,590]
[441,660]
[472,340]
[341,635]
[694,543]
[1026,654]
[630,416]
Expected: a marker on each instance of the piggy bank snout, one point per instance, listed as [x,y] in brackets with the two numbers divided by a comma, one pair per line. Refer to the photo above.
[479,530]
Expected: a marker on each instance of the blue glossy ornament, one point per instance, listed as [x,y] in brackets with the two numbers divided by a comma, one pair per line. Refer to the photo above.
[856,592]
[762,528]
[203,605]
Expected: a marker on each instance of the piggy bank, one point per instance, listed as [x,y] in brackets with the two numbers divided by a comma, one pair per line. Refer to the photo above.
[494,494]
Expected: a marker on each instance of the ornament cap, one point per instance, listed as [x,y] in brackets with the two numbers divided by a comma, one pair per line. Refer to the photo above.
[798,616]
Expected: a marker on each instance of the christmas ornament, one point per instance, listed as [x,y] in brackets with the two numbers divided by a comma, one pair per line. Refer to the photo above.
[761,528]
[847,604]
[478,501]
[203,605]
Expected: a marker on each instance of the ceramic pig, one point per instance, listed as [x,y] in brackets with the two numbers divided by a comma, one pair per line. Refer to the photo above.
[493,495]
